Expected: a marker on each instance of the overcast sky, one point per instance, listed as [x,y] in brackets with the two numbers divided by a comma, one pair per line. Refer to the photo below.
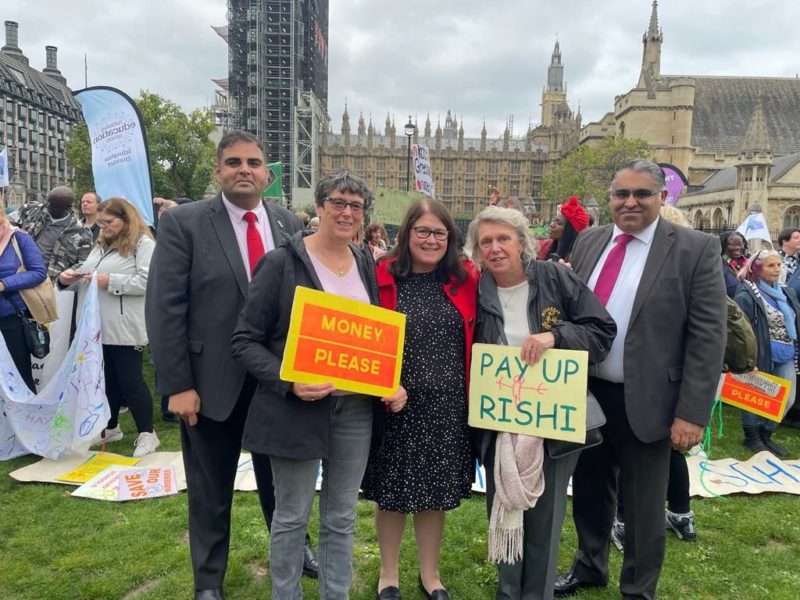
[480,59]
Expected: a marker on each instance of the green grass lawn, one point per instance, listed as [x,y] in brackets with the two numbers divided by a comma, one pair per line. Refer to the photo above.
[53,546]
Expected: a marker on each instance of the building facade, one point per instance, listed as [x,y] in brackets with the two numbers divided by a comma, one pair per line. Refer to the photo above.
[277,84]
[464,168]
[37,111]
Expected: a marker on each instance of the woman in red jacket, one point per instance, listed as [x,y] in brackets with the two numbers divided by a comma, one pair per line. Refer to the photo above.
[422,465]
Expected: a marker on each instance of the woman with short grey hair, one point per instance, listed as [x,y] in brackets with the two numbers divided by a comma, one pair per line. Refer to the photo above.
[513,219]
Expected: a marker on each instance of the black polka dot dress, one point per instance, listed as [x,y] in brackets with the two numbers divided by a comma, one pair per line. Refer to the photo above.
[424,461]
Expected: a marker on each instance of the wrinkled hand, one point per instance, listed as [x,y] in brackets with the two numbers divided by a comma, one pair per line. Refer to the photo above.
[186,405]
[312,391]
[685,434]
[396,401]
[163,204]
[534,346]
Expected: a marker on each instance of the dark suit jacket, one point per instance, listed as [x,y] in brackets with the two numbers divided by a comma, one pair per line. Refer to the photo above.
[195,291]
[675,342]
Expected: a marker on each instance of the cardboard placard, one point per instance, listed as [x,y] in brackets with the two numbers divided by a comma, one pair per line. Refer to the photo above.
[355,346]
[547,399]
[757,392]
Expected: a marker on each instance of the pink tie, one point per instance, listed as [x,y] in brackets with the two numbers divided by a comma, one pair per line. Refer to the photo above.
[611,268]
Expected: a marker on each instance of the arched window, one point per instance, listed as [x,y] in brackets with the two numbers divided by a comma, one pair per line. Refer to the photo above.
[791,218]
[698,220]
[717,221]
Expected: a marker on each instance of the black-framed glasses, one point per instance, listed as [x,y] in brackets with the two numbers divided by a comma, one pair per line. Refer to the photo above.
[641,194]
[339,204]
[424,233]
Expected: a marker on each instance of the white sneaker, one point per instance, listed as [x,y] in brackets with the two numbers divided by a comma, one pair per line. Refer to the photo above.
[146,443]
[107,436]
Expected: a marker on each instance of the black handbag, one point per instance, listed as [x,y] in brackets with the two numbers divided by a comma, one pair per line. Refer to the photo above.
[594,420]
[37,336]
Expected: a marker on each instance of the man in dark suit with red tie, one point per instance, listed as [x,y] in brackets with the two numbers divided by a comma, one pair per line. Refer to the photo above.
[664,287]
[205,256]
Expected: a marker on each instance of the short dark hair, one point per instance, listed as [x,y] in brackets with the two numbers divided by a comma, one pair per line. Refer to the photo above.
[344,182]
[236,137]
[786,234]
[726,237]
[642,165]
[452,263]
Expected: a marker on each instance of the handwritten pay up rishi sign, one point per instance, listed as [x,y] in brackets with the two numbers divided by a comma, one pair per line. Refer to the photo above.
[547,399]
[357,347]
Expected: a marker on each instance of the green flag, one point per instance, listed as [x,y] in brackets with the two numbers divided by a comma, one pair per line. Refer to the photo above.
[275,189]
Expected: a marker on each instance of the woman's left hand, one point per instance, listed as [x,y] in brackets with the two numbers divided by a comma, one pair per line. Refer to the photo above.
[534,346]
[396,401]
[102,281]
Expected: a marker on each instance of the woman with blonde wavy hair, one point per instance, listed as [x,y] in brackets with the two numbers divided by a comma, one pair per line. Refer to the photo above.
[121,261]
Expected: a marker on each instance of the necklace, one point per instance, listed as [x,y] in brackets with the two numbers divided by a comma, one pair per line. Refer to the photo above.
[339,267]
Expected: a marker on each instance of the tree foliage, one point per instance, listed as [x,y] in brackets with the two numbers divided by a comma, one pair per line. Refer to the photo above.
[587,171]
[181,153]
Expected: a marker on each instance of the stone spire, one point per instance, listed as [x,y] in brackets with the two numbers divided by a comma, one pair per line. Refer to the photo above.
[555,72]
[346,125]
[387,130]
[362,128]
[757,137]
[428,127]
[483,136]
[651,54]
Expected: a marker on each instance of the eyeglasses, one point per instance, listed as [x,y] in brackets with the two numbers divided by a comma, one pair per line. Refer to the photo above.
[638,194]
[339,204]
[424,233]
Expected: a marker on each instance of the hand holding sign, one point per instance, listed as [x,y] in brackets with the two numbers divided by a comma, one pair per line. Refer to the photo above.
[396,401]
[312,391]
[534,346]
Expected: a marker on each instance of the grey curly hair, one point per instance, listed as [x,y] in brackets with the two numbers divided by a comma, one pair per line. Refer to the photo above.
[503,216]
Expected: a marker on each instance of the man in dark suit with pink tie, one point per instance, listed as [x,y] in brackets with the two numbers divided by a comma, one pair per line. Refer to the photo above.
[664,287]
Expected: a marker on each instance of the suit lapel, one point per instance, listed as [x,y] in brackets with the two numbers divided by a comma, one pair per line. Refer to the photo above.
[221,223]
[593,252]
[663,238]
[276,225]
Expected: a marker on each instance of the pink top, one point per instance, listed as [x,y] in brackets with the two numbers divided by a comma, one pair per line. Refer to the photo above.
[348,285]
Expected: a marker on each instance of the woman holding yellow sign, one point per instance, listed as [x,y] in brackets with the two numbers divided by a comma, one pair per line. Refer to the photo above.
[293,424]
[535,305]
[423,464]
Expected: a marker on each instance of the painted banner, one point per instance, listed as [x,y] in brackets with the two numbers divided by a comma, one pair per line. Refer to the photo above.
[760,473]
[120,163]
[760,393]
[423,176]
[72,408]
[44,369]
[676,183]
[547,399]
[94,465]
[118,483]
[355,346]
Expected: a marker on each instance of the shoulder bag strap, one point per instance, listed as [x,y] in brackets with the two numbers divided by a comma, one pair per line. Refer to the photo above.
[19,254]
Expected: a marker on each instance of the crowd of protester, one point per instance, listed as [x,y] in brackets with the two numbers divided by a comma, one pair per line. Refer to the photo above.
[213,297]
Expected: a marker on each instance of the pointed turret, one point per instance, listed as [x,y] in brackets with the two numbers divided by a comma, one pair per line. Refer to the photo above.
[753,165]
[370,133]
[651,54]
[483,136]
[439,133]
[555,72]
[461,136]
[362,127]
[757,137]
[346,125]
[428,127]
[387,130]
[506,138]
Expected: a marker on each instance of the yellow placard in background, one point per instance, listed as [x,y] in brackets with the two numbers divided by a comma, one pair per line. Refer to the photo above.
[355,346]
[547,399]
[94,465]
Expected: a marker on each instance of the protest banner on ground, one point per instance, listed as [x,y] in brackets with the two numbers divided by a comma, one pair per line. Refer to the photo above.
[94,465]
[72,408]
[355,346]
[547,399]
[423,175]
[759,393]
[118,483]
[760,473]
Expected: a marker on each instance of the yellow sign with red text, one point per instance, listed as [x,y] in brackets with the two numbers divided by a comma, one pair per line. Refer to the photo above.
[355,346]
[757,392]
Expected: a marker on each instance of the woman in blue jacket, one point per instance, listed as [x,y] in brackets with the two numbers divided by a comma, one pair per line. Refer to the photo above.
[13,244]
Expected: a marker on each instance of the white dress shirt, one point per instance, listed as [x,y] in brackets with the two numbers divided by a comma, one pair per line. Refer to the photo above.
[236,215]
[620,303]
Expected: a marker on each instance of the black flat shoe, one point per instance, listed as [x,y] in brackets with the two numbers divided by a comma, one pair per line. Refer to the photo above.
[390,592]
[437,594]
[210,594]
[310,564]
[568,584]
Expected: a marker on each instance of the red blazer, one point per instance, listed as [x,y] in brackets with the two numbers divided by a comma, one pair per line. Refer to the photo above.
[464,297]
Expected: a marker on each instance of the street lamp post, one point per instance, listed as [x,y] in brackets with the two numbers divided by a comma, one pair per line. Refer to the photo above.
[409,129]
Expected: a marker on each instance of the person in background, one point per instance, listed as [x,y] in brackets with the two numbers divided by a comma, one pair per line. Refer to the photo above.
[564,229]
[377,240]
[774,312]
[121,261]
[60,236]
[789,244]
[535,305]
[204,260]
[423,464]
[303,216]
[11,282]
[89,203]
[734,258]
[294,426]
[313,224]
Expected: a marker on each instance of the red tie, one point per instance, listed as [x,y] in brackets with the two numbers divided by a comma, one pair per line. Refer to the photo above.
[611,268]
[255,245]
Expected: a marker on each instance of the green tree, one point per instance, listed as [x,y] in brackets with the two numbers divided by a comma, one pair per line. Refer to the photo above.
[181,153]
[586,172]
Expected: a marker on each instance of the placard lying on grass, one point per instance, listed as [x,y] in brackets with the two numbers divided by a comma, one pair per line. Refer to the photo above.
[94,465]
[547,399]
[118,483]
[759,393]
[355,346]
